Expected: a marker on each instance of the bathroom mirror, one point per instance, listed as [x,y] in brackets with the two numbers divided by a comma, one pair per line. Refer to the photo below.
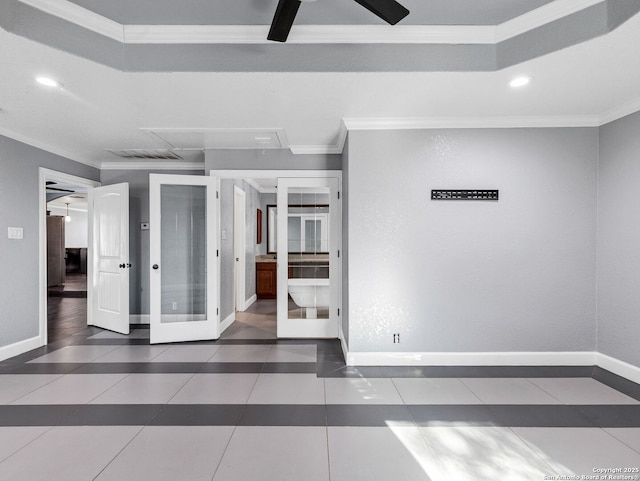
[308,229]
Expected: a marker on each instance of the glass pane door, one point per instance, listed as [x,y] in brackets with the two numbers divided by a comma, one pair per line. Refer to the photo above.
[183,258]
[308,263]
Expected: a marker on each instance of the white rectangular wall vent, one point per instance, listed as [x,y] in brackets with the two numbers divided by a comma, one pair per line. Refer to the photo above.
[150,154]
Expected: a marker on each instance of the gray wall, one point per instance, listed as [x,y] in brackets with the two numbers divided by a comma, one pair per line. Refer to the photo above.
[619,240]
[252,249]
[513,275]
[269,159]
[19,163]
[138,240]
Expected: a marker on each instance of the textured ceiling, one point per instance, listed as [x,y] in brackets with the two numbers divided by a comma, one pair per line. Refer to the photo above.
[320,12]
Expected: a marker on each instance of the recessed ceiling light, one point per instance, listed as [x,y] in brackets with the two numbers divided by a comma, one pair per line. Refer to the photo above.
[48,82]
[520,81]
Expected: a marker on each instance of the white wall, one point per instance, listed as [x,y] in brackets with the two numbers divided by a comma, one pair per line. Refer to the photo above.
[76,232]
[461,276]
[619,240]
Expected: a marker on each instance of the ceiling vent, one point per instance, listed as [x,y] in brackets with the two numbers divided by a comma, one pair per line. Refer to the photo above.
[146,154]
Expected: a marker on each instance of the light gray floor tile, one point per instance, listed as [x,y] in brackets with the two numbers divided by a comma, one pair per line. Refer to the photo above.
[292,353]
[242,353]
[216,389]
[79,354]
[508,391]
[195,353]
[12,439]
[361,391]
[288,389]
[67,454]
[379,454]
[434,391]
[170,453]
[14,386]
[275,453]
[472,453]
[144,389]
[133,354]
[582,390]
[577,451]
[629,436]
[71,389]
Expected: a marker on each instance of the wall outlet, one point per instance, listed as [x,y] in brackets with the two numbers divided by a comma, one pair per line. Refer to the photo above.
[174,305]
[396,338]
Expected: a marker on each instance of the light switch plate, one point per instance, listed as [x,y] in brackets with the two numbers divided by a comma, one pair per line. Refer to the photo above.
[16,233]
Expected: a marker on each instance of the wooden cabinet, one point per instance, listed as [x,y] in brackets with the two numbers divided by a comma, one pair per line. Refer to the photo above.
[267,280]
[55,251]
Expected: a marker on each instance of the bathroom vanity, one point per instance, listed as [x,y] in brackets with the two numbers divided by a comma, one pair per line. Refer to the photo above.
[308,266]
[266,277]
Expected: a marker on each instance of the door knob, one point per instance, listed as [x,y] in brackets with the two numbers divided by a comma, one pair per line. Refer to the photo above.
[156,266]
[129,265]
[122,266]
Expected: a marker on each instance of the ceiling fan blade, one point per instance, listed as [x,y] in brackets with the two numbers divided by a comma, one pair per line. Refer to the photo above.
[283,20]
[388,10]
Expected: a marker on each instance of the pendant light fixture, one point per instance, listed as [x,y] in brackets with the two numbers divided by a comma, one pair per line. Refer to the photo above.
[67,217]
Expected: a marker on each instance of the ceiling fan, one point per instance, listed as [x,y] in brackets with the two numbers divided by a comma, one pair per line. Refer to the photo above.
[388,10]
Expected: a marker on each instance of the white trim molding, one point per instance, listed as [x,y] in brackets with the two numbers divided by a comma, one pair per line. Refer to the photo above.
[248,303]
[616,366]
[20,347]
[318,34]
[224,325]
[139,319]
[572,358]
[152,166]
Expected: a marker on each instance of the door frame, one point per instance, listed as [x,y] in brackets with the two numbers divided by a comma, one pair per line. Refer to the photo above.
[239,247]
[274,174]
[45,175]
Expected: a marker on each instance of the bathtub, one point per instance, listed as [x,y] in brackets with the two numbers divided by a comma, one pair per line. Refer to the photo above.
[310,294]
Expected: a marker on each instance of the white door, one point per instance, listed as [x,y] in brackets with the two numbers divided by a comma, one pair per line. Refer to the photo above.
[308,246]
[183,258]
[110,305]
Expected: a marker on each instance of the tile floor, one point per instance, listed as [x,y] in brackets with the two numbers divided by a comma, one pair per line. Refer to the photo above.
[102,406]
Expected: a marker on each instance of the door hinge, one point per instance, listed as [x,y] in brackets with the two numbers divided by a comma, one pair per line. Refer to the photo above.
[217,195]
[338,194]
[217,253]
[338,312]
[217,311]
[338,253]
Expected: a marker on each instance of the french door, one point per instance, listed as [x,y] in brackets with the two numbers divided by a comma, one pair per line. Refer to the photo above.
[183,258]
[308,246]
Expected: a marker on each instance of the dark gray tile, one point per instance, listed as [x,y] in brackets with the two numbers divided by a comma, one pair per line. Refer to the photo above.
[548,416]
[40,415]
[199,415]
[612,416]
[536,371]
[109,368]
[290,367]
[616,382]
[445,415]
[284,415]
[170,367]
[231,367]
[369,415]
[113,342]
[111,415]
[43,368]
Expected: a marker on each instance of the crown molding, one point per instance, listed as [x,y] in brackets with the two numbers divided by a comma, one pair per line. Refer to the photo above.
[472,122]
[619,112]
[47,147]
[316,34]
[80,16]
[152,166]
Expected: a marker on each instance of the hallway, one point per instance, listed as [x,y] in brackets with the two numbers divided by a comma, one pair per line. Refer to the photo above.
[105,406]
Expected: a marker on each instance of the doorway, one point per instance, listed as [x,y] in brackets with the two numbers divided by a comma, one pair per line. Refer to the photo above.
[65,293]
[261,316]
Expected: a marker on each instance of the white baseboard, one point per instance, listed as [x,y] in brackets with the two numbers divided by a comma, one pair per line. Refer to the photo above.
[249,302]
[586,358]
[20,347]
[227,322]
[139,319]
[621,368]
